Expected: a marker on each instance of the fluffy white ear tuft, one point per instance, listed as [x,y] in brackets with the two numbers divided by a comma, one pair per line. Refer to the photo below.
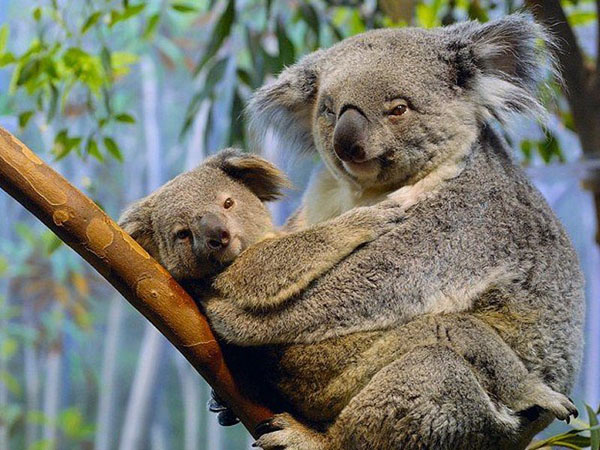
[285,106]
[502,63]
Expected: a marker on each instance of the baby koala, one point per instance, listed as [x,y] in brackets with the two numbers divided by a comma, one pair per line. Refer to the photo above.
[200,221]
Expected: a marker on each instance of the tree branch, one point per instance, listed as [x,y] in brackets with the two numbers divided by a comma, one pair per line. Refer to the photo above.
[143,282]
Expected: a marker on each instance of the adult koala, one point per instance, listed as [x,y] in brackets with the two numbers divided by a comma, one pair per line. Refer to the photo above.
[478,271]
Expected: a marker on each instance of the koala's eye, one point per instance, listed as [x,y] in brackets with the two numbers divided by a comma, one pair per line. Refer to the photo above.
[228,203]
[398,110]
[183,234]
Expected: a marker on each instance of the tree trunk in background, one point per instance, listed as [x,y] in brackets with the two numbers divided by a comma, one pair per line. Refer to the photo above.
[32,378]
[52,393]
[3,365]
[105,421]
[134,426]
[190,393]
[213,433]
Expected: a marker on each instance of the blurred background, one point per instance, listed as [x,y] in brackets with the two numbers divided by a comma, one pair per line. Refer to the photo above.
[119,96]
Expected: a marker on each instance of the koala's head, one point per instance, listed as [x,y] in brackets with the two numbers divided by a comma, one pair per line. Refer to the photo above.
[386,107]
[202,219]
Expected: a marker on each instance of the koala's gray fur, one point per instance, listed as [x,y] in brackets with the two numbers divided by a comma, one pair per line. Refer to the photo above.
[305,376]
[476,277]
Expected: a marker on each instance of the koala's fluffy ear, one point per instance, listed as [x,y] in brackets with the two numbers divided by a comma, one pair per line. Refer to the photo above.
[136,220]
[258,174]
[285,105]
[502,63]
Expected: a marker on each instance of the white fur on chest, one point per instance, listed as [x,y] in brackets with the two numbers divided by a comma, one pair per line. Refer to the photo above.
[327,197]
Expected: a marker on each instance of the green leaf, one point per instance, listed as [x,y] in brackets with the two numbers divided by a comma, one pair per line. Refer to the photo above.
[126,118]
[91,21]
[113,148]
[221,31]
[11,383]
[183,7]
[215,74]
[527,150]
[53,243]
[244,77]
[8,348]
[151,26]
[3,37]
[37,14]
[130,11]
[3,265]
[310,16]
[53,107]
[133,10]
[549,148]
[93,150]
[24,118]
[29,70]
[63,144]
[594,434]
[6,59]
[286,47]
[579,18]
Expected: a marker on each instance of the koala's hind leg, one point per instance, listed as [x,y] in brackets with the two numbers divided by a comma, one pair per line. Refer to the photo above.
[429,398]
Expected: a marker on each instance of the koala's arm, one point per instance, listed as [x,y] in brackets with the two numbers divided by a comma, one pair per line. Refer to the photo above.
[275,269]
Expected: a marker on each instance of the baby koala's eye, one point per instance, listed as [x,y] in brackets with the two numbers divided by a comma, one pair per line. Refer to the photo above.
[398,110]
[228,203]
[183,234]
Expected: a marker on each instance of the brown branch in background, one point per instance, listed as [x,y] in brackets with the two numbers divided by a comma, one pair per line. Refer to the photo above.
[570,57]
[598,45]
[80,223]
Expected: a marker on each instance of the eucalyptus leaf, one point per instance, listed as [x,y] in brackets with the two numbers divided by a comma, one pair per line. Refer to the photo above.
[221,31]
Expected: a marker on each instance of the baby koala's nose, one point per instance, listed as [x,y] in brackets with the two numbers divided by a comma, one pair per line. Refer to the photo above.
[217,238]
[214,233]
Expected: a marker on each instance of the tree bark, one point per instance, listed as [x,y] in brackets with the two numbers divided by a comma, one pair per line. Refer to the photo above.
[80,223]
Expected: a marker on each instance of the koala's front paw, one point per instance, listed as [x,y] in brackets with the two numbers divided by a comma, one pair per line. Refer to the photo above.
[378,218]
[283,432]
[225,416]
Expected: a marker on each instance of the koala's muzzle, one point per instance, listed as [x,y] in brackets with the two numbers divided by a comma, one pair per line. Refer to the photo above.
[350,136]
[213,235]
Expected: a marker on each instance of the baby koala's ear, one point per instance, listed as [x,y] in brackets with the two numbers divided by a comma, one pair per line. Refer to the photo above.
[136,220]
[257,174]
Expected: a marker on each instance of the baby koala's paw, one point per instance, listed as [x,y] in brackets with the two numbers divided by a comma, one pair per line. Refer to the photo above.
[284,432]
[555,402]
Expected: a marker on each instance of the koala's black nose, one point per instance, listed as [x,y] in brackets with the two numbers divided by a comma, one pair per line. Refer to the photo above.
[214,234]
[350,136]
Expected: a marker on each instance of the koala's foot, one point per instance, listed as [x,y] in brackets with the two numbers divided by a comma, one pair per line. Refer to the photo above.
[555,402]
[225,416]
[283,432]
[548,399]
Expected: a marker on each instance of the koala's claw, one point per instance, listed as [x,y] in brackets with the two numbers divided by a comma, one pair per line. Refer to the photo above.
[227,418]
[558,404]
[265,427]
[283,432]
